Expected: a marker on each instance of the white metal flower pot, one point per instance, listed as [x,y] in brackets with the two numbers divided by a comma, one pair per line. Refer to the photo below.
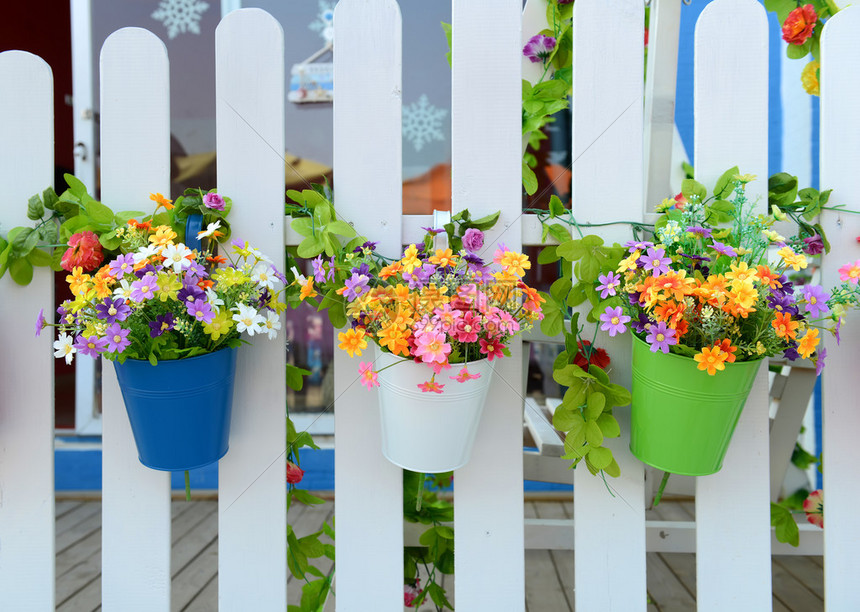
[429,432]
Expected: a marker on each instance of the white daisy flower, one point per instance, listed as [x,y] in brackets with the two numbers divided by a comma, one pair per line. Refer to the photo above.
[248,320]
[124,290]
[63,345]
[272,325]
[210,229]
[145,252]
[262,275]
[176,255]
[214,300]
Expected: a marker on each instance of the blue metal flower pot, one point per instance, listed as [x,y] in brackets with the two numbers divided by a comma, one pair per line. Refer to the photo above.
[179,409]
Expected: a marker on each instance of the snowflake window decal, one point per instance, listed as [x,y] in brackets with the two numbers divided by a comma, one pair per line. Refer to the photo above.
[180,16]
[324,22]
[423,122]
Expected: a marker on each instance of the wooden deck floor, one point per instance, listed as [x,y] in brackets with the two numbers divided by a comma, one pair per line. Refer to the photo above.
[798,582]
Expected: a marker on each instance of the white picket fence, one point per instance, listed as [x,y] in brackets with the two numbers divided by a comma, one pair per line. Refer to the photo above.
[733,539]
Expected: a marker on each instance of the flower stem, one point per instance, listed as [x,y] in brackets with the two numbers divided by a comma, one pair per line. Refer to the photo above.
[187,486]
[659,495]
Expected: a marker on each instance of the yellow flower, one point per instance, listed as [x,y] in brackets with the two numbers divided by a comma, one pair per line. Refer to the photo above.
[443,258]
[516,263]
[229,277]
[629,263]
[163,236]
[220,325]
[168,286]
[78,281]
[744,178]
[795,260]
[809,78]
[410,259]
[807,344]
[741,273]
[352,341]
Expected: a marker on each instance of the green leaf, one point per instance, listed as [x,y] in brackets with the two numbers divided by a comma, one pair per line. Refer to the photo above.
[587,269]
[559,232]
[608,425]
[548,255]
[38,257]
[98,212]
[21,271]
[295,376]
[613,469]
[567,419]
[575,394]
[617,395]
[76,187]
[785,527]
[556,208]
[600,457]
[23,242]
[572,250]
[570,374]
[310,247]
[530,182]
[596,404]
[593,435]
[322,215]
[303,226]
[560,288]
[341,228]
[35,208]
[725,184]
[798,51]
[485,223]
[553,320]
[692,187]
[448,33]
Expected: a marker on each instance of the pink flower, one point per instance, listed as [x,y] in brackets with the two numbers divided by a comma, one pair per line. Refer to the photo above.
[814,508]
[85,252]
[410,593]
[213,201]
[431,346]
[294,473]
[431,387]
[464,375]
[447,317]
[473,240]
[369,378]
[438,366]
[467,328]
[493,349]
[850,272]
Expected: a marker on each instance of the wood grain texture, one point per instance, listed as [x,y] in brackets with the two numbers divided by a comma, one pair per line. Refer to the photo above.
[135,161]
[250,94]
[608,151]
[367,161]
[486,107]
[840,155]
[731,129]
[26,379]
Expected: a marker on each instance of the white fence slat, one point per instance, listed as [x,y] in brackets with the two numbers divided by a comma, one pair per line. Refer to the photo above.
[607,186]
[135,161]
[367,158]
[733,557]
[840,155]
[486,111]
[26,366]
[249,89]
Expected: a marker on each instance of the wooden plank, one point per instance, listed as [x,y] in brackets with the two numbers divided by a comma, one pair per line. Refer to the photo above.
[367,155]
[793,593]
[182,524]
[664,587]
[135,161]
[87,599]
[61,508]
[544,591]
[193,577]
[486,156]
[804,571]
[733,565]
[249,87]
[26,382]
[189,547]
[563,560]
[608,150]
[80,530]
[840,135]
[206,599]
[547,439]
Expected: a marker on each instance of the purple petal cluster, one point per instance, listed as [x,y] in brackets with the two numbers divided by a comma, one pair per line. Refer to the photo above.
[538,48]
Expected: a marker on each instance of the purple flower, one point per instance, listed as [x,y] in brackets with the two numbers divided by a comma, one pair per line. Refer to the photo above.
[40,322]
[538,48]
[475,263]
[355,286]
[213,201]
[330,275]
[819,361]
[117,338]
[91,346]
[814,245]
[121,265]
[836,330]
[473,240]
[363,269]
[656,261]
[642,323]
[280,275]
[724,249]
[319,269]
[142,289]
[816,300]
[200,310]
[189,294]
[196,269]
[614,320]
[113,310]
[419,276]
[640,245]
[698,230]
[608,284]
[661,337]
[791,352]
[161,324]
[147,269]
[433,231]
[367,245]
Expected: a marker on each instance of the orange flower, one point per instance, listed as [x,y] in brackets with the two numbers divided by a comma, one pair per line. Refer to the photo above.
[308,290]
[784,326]
[390,270]
[742,298]
[352,341]
[670,312]
[768,277]
[443,258]
[681,328]
[161,201]
[217,259]
[394,339]
[808,343]
[726,347]
[711,359]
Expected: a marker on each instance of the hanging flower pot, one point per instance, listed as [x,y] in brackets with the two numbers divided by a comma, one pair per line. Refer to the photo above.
[682,418]
[430,432]
[180,409]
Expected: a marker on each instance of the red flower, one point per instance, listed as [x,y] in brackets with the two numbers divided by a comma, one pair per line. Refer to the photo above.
[799,24]
[411,592]
[814,508]
[294,473]
[85,252]
[598,356]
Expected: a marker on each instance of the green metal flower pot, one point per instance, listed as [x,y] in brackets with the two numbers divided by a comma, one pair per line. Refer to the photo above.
[682,418]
